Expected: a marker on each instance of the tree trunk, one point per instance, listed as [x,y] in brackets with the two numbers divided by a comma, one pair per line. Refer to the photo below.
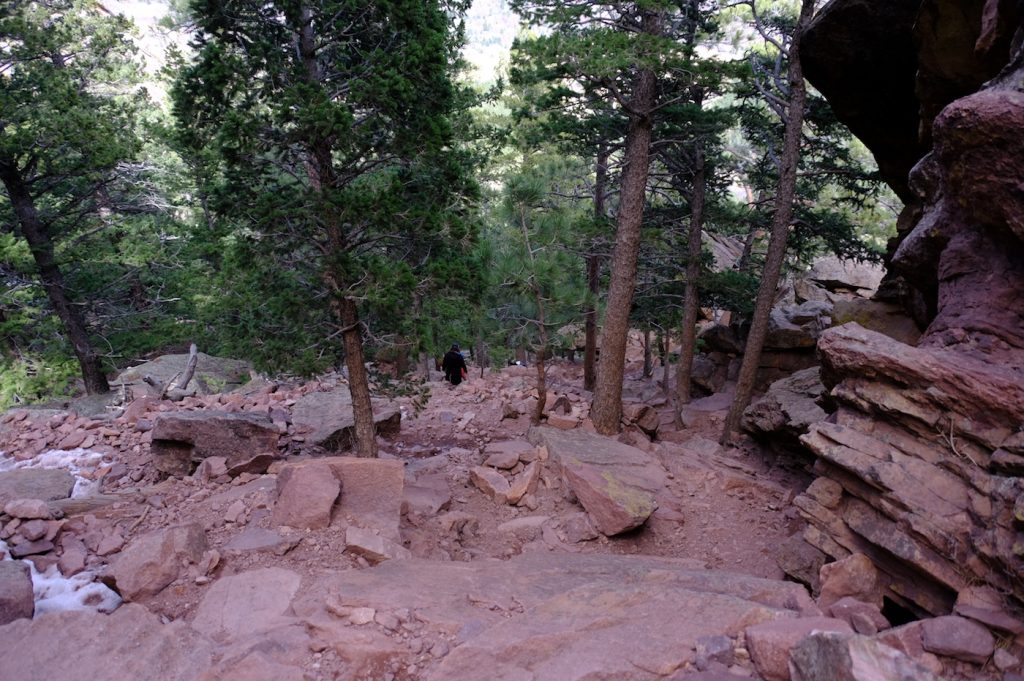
[648,355]
[594,272]
[691,301]
[358,381]
[542,388]
[41,245]
[606,410]
[781,219]
[666,373]
[323,178]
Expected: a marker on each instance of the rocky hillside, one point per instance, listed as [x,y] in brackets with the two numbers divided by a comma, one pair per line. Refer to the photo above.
[227,536]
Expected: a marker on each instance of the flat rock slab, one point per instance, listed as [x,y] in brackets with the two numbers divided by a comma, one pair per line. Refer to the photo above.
[129,644]
[371,493]
[216,374]
[325,419]
[181,440]
[48,484]
[248,603]
[256,539]
[306,493]
[562,616]
[615,483]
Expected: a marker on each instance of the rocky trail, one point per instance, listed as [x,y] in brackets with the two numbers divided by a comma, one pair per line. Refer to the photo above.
[245,547]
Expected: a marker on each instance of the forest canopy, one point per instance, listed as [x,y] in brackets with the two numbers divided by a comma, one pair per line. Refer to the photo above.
[318,185]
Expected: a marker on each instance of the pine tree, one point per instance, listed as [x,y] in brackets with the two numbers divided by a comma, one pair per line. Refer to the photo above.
[329,122]
[67,126]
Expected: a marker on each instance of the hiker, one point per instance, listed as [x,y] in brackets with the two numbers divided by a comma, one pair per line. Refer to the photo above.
[454,365]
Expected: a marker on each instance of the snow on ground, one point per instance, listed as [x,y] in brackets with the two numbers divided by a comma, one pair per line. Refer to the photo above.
[81,463]
[53,592]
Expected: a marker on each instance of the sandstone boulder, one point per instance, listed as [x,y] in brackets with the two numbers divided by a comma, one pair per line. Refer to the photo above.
[212,374]
[855,576]
[371,493]
[47,484]
[16,599]
[615,483]
[840,657]
[957,637]
[770,642]
[306,493]
[151,562]
[181,440]
[373,547]
[835,274]
[788,409]
[28,509]
[490,482]
[326,419]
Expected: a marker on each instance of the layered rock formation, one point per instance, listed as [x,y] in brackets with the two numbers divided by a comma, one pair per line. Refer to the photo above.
[920,465]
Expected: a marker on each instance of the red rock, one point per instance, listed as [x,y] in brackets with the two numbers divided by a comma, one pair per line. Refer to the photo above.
[854,576]
[183,439]
[562,422]
[134,645]
[770,643]
[865,618]
[615,483]
[840,657]
[490,482]
[16,599]
[371,493]
[957,637]
[154,560]
[28,509]
[31,548]
[239,606]
[306,492]
[373,547]
[47,484]
[33,530]
[524,483]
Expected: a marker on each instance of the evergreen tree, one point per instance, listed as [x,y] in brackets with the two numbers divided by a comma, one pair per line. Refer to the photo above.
[785,198]
[328,123]
[67,131]
[617,49]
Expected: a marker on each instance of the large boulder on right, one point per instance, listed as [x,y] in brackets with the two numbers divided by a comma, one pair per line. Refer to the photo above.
[615,483]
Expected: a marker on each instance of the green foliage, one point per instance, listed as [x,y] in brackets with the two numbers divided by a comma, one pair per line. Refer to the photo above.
[331,122]
[535,279]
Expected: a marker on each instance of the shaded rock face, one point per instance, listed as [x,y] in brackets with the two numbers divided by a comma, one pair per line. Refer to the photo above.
[326,419]
[924,445]
[181,440]
[15,591]
[889,69]
[616,484]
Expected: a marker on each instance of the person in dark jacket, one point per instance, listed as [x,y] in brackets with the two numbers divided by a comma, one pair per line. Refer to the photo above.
[453,365]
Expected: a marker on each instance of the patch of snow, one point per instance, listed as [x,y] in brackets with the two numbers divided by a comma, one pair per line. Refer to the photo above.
[53,592]
[81,463]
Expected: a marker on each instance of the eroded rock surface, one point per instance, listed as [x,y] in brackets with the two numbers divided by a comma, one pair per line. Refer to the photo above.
[615,483]
[181,440]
